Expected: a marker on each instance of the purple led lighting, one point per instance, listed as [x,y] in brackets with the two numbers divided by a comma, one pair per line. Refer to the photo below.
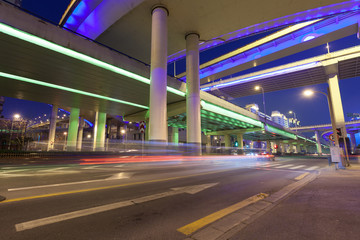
[262,76]
[250,55]
[290,19]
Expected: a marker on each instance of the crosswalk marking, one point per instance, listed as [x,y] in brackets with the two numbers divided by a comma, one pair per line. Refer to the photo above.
[299,166]
[312,168]
[285,166]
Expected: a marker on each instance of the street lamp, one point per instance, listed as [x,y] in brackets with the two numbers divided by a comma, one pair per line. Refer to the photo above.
[309,93]
[292,112]
[15,118]
[257,88]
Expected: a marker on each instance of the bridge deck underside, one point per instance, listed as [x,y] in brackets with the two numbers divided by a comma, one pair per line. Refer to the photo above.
[31,61]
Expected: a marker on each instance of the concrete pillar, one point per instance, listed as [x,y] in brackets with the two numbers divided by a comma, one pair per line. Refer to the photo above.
[146,130]
[193,121]
[158,129]
[318,144]
[80,134]
[175,135]
[100,134]
[337,111]
[208,140]
[336,103]
[240,140]
[118,135]
[268,146]
[95,129]
[353,142]
[52,127]
[73,129]
[227,139]
[281,147]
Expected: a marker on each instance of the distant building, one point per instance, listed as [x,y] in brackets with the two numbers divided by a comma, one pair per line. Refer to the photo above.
[254,108]
[279,118]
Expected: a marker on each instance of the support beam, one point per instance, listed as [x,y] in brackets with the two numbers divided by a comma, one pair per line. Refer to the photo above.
[353,142]
[318,144]
[80,134]
[73,129]
[100,134]
[52,128]
[175,135]
[158,76]
[95,129]
[227,140]
[193,121]
[240,139]
[268,146]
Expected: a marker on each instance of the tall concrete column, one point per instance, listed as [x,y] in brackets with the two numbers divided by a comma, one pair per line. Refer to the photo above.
[318,144]
[193,121]
[95,129]
[73,129]
[80,134]
[100,134]
[227,140]
[268,146]
[336,103]
[146,130]
[52,127]
[158,76]
[353,142]
[208,143]
[175,135]
[240,140]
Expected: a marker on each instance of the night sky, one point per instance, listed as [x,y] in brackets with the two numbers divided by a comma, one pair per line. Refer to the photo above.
[309,111]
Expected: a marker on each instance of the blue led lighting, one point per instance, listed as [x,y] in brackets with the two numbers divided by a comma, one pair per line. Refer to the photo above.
[265,75]
[286,20]
[251,55]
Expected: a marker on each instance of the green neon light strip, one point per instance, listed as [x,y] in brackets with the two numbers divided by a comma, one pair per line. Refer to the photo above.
[79,56]
[219,110]
[280,132]
[45,84]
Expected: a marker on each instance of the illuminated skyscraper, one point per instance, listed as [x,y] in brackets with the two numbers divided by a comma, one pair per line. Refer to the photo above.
[279,118]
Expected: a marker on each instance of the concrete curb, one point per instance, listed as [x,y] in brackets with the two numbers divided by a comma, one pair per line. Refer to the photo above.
[230,225]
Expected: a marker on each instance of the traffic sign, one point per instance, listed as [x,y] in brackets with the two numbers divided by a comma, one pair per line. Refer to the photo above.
[331,137]
[142,126]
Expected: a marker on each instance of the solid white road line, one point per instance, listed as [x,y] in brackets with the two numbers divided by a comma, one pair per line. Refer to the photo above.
[114,177]
[299,166]
[85,212]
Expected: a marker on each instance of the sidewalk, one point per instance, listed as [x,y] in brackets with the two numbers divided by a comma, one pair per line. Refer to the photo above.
[326,208]
[320,206]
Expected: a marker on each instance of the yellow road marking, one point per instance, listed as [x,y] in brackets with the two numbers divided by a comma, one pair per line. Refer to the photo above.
[194,226]
[109,187]
[302,176]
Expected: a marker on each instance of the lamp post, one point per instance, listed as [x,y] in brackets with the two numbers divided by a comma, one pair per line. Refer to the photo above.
[257,88]
[309,93]
[292,112]
[15,117]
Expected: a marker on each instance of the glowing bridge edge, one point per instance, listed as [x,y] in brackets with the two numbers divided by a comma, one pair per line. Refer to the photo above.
[280,132]
[264,75]
[219,110]
[45,84]
[79,56]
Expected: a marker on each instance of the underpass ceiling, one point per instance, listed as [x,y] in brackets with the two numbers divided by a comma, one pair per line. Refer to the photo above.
[212,19]
[31,61]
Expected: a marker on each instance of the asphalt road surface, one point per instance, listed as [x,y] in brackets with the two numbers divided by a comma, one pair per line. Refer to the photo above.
[133,198]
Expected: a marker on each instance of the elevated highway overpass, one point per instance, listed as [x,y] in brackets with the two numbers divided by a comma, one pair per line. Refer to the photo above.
[48,64]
